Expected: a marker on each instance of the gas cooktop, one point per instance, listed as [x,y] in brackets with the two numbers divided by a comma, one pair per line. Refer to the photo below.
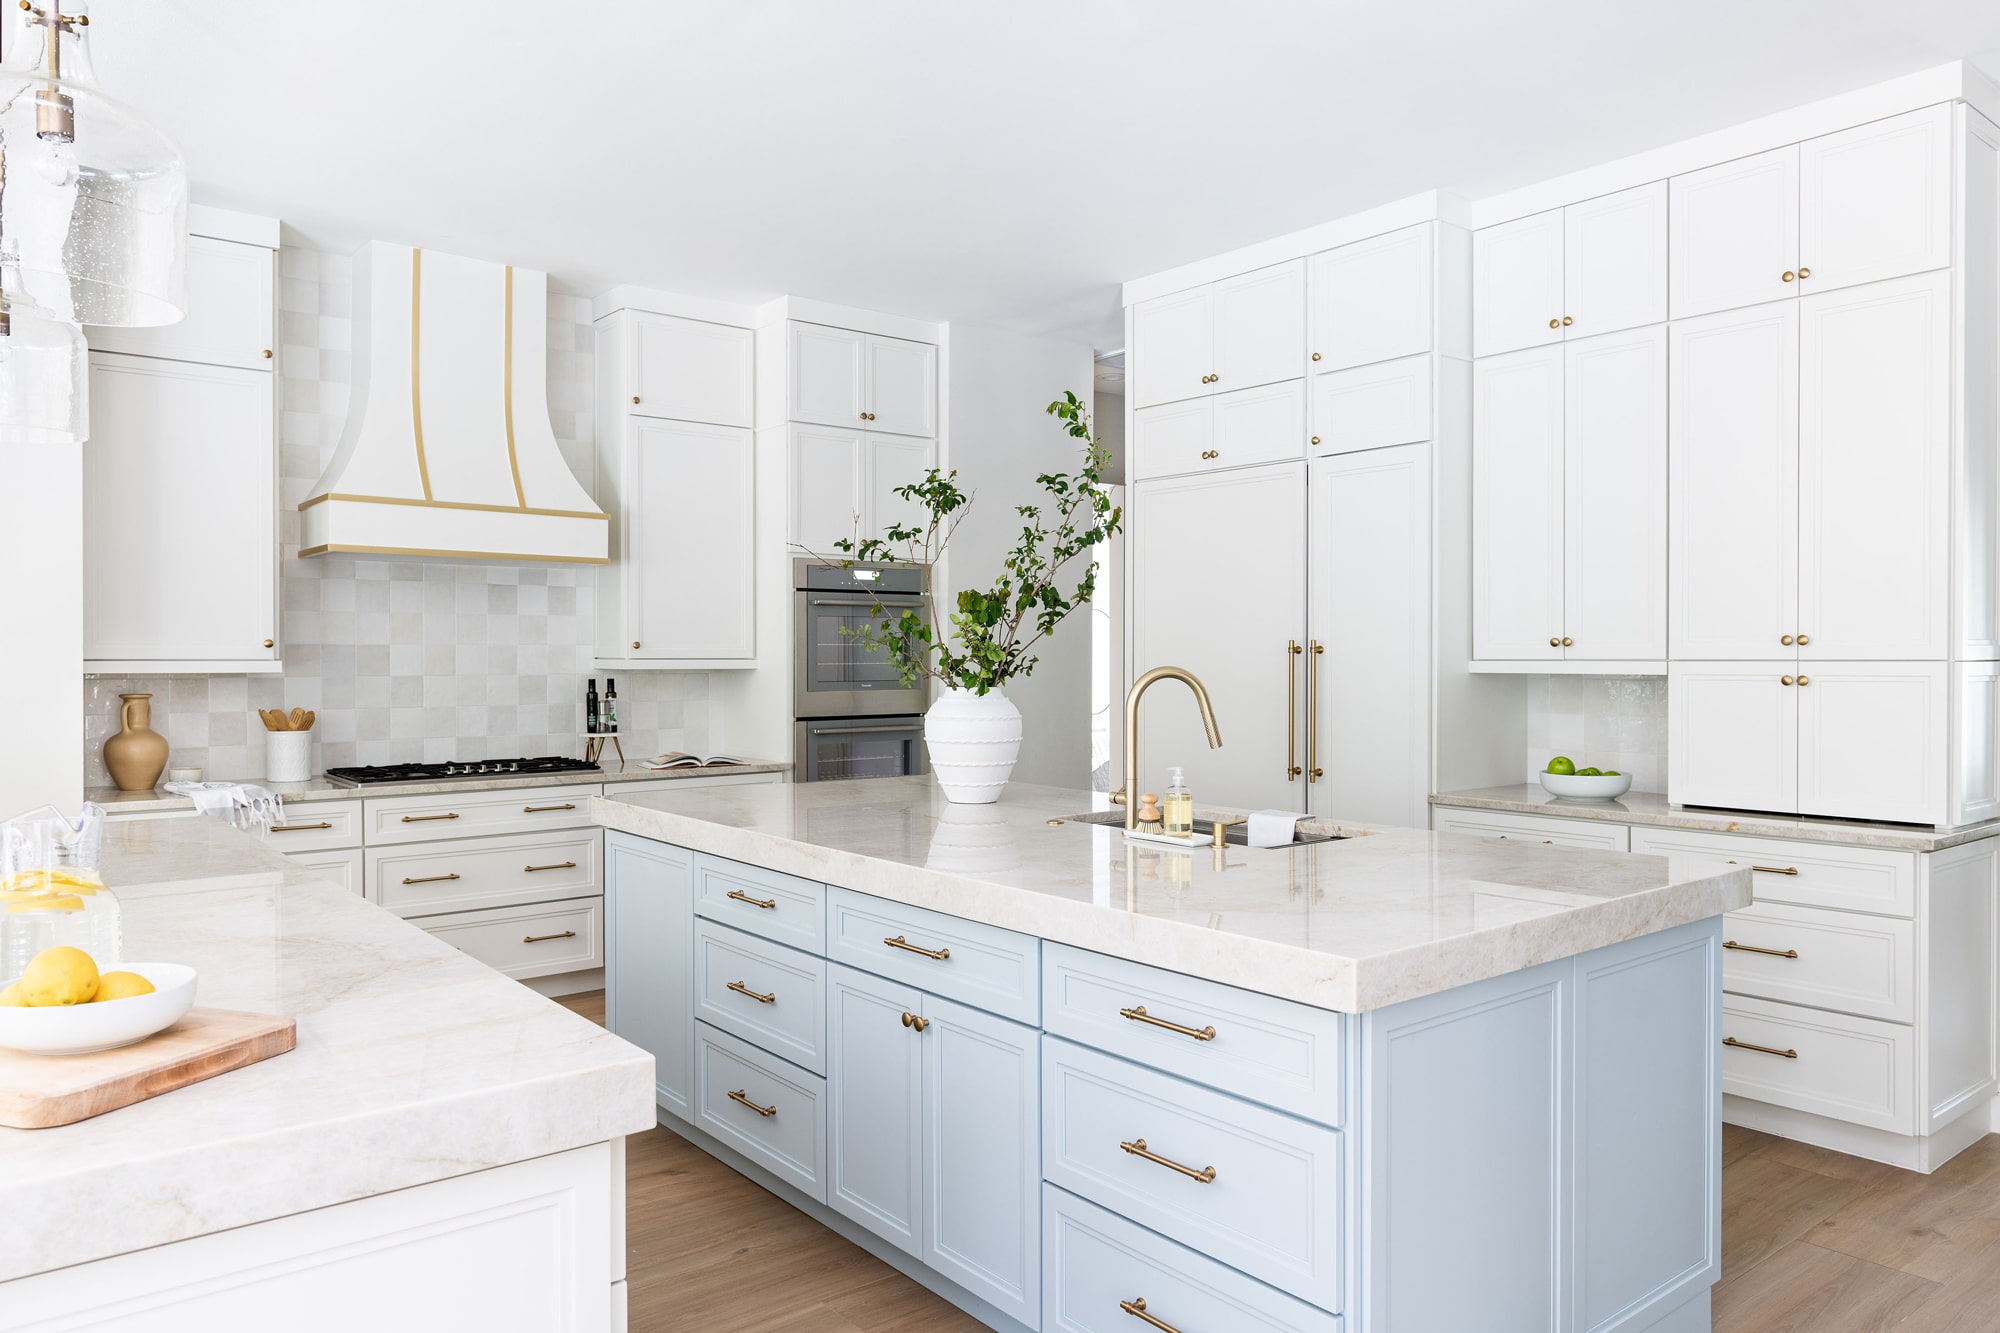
[482,768]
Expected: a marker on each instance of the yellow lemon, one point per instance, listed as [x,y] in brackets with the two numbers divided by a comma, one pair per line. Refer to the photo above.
[58,976]
[11,995]
[120,986]
[46,902]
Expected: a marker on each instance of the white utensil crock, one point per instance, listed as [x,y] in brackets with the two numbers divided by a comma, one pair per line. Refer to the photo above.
[287,756]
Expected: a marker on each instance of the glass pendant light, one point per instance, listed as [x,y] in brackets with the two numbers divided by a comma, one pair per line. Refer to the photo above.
[42,373]
[93,198]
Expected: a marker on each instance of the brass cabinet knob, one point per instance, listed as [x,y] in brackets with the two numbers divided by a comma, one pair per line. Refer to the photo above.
[1805,680]
[1785,639]
[1315,439]
[635,643]
[1555,643]
[270,643]
[1788,275]
[267,354]
[1315,355]
[1804,272]
[1784,680]
[1567,321]
[635,400]
[1555,323]
[1804,639]
[1568,642]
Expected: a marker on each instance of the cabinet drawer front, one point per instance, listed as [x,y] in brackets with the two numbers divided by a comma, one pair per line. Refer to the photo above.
[466,874]
[980,965]
[536,941]
[778,1116]
[316,827]
[1272,1051]
[1831,960]
[343,866]
[765,993]
[779,907]
[1372,407]
[1098,1265]
[517,810]
[1273,1206]
[1806,874]
[1859,1070]
[1605,837]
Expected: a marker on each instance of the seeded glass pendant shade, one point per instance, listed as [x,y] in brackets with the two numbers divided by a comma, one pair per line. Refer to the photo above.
[42,369]
[93,198]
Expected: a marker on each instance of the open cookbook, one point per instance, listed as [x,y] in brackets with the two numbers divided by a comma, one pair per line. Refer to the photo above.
[681,759]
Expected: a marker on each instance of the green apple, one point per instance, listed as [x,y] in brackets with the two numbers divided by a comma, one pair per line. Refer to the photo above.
[1562,766]
[1613,773]
[1588,773]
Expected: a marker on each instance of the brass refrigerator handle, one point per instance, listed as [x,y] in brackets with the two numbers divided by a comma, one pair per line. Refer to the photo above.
[1292,769]
[1313,771]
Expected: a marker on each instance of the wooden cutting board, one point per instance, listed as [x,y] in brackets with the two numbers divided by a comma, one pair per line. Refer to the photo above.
[38,1091]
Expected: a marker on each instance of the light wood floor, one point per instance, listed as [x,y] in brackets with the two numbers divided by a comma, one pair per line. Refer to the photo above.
[1812,1242]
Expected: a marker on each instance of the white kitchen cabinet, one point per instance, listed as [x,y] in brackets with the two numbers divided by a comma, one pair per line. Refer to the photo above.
[1734,233]
[840,377]
[1371,300]
[229,320]
[1218,587]
[180,518]
[1615,497]
[825,374]
[1368,663]
[843,484]
[1733,441]
[1875,201]
[689,495]
[1734,735]
[1239,333]
[1874,470]
[688,369]
[1872,740]
[899,386]
[1592,268]
[649,962]
[1230,430]
[893,461]
[1517,284]
[1173,338]
[1373,406]
[1517,506]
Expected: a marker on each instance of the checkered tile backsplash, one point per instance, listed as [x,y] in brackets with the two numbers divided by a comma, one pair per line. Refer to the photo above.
[406,660]
[1601,721]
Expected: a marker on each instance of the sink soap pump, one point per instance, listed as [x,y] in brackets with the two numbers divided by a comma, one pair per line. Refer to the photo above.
[1178,820]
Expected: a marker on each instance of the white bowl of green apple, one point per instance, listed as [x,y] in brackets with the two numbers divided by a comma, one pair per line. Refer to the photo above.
[1563,778]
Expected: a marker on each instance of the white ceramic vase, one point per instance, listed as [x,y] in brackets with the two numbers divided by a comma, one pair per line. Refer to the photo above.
[973,740]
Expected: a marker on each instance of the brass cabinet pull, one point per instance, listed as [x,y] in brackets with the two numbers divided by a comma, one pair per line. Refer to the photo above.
[430,879]
[299,828]
[1315,439]
[1775,870]
[1805,680]
[1753,1046]
[560,865]
[1555,323]
[635,643]
[1567,321]
[1753,948]
[1568,642]
[635,400]
[1137,1147]
[912,1021]
[425,819]
[270,643]
[1787,277]
[743,897]
[1785,639]
[1804,272]
[544,809]
[1315,356]
[766,1111]
[1137,1309]
[1784,680]
[1138,1014]
[267,354]
[1804,639]
[1313,771]
[1555,643]
[742,989]
[900,943]
[559,935]
[1292,769]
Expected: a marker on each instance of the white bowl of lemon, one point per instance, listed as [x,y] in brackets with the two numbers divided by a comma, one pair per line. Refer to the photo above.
[62,1005]
[1563,778]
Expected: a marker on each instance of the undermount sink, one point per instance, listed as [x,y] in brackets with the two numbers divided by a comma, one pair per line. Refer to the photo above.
[1237,835]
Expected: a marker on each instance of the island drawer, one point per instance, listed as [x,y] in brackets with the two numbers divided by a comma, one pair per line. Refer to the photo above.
[1860,1070]
[1600,835]
[1808,874]
[1830,960]
[1098,1266]
[1272,1051]
[534,941]
[764,902]
[465,874]
[968,961]
[465,814]
[776,1116]
[344,867]
[1256,1189]
[765,993]
[316,826]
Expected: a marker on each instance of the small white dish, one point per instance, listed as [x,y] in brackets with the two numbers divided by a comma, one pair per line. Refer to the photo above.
[78,1029]
[1578,788]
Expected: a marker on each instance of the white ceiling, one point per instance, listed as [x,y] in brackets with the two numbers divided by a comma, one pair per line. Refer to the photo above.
[1007,162]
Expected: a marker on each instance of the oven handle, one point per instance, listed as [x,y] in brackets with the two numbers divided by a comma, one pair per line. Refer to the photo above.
[815,729]
[886,599]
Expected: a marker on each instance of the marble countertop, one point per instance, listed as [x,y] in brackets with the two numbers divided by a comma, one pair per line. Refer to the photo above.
[318,788]
[1652,808]
[1382,916]
[413,1063]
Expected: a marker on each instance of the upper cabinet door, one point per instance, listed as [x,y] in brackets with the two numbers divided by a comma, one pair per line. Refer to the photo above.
[1615,262]
[891,461]
[1517,506]
[826,375]
[1260,327]
[1875,201]
[1875,470]
[1873,740]
[1173,347]
[899,386]
[823,501]
[1733,735]
[1371,301]
[1734,428]
[690,370]
[1517,284]
[1615,494]
[229,311]
[696,485]
[1734,234]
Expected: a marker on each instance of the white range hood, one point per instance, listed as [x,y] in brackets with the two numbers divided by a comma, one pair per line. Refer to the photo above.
[448,450]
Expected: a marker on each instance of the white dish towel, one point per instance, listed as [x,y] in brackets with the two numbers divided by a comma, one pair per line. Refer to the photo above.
[242,804]
[1274,828]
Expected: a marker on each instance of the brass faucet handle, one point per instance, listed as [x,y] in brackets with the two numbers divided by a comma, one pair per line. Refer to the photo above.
[1118,796]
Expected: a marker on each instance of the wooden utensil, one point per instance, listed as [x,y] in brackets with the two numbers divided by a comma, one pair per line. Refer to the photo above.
[298,719]
[38,1091]
[311,717]
[273,719]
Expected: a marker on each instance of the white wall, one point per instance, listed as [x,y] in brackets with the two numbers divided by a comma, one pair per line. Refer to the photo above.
[41,645]
[1001,437]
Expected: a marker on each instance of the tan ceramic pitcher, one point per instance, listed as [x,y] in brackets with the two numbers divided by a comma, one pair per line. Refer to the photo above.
[137,754]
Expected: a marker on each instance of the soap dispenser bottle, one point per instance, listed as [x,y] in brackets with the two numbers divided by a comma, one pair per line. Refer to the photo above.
[1178,809]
